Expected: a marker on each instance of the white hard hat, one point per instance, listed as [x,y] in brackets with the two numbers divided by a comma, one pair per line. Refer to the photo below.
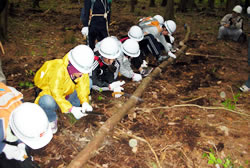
[237,9]
[82,58]
[110,48]
[135,32]
[170,26]
[159,18]
[131,48]
[30,124]
[248,10]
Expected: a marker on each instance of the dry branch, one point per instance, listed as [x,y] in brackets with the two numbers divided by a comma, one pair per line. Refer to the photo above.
[90,149]
[2,49]
[214,56]
[202,107]
[145,141]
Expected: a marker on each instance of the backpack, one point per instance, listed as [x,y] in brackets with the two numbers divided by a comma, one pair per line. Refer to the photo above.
[149,22]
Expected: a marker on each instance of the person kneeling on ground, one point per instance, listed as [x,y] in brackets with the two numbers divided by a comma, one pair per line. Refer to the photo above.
[106,67]
[159,37]
[139,62]
[22,126]
[65,84]
[130,49]
[231,25]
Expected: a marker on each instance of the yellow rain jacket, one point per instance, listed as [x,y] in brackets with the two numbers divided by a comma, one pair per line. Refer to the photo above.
[54,80]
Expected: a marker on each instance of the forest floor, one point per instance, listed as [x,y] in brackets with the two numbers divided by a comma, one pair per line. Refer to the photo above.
[192,109]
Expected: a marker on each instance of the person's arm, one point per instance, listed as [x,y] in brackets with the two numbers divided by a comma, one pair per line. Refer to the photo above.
[225,20]
[125,67]
[83,88]
[163,41]
[238,23]
[87,8]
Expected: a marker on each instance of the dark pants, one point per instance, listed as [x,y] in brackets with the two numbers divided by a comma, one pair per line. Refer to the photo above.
[137,61]
[96,33]
[148,45]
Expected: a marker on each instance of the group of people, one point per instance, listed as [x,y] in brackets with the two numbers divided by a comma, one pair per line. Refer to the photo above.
[65,84]
[231,28]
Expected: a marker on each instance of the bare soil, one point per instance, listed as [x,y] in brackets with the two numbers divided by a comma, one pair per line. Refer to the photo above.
[181,116]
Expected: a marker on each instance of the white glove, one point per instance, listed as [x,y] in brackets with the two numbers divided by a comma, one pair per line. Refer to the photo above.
[171,39]
[77,112]
[118,89]
[116,84]
[86,107]
[144,64]
[136,77]
[85,31]
[171,54]
[15,152]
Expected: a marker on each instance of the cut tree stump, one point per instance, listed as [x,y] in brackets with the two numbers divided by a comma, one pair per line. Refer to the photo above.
[91,148]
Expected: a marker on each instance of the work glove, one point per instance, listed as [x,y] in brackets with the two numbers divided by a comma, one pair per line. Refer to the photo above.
[116,84]
[118,91]
[86,107]
[15,152]
[77,112]
[144,64]
[171,54]
[85,31]
[136,77]
[171,39]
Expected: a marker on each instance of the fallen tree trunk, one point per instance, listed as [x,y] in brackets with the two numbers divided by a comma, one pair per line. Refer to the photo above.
[108,126]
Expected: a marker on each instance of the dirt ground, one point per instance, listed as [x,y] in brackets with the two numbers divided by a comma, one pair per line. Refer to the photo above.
[192,109]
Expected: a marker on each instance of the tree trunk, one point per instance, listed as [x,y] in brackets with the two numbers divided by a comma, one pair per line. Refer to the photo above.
[90,150]
[182,6]
[191,4]
[211,4]
[132,5]
[169,14]
[164,2]
[230,5]
[4,20]
[200,1]
[152,3]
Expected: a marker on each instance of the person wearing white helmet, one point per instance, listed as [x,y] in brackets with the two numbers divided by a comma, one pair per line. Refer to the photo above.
[159,18]
[22,126]
[163,37]
[106,66]
[130,49]
[231,25]
[246,87]
[136,33]
[64,83]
